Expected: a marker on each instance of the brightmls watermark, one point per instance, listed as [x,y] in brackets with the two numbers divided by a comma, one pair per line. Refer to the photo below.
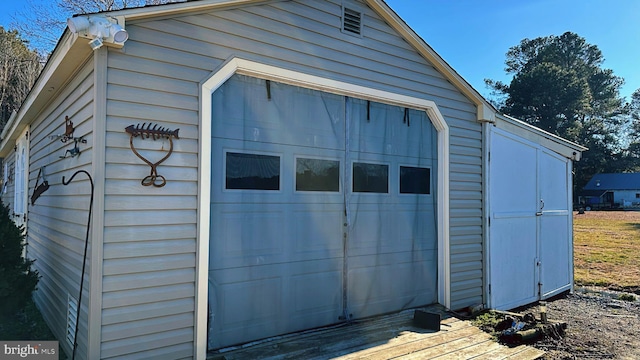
[40,350]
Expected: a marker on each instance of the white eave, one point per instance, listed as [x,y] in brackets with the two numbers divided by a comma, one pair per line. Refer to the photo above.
[63,62]
[552,142]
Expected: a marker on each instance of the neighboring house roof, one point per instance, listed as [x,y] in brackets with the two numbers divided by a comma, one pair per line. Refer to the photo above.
[625,181]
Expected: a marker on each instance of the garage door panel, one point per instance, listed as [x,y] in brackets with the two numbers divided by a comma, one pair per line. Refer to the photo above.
[317,234]
[318,292]
[245,112]
[239,244]
[387,130]
[376,231]
[379,284]
[313,246]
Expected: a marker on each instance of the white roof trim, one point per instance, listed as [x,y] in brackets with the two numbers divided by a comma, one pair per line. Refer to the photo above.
[553,142]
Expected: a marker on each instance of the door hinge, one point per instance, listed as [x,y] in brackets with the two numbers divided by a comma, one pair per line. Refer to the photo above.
[489,220]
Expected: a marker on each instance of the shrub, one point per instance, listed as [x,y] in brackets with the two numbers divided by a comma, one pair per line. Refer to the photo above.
[17,280]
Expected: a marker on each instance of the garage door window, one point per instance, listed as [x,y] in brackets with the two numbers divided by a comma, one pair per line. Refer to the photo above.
[252,171]
[414,180]
[370,178]
[317,175]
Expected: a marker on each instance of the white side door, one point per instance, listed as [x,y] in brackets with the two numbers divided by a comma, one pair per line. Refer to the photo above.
[530,225]
[555,233]
[513,221]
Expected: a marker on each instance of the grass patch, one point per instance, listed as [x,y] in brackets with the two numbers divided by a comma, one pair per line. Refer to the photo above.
[606,245]
[627,297]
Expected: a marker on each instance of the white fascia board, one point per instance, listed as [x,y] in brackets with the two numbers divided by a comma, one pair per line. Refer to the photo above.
[177,8]
[550,141]
[62,63]
[485,111]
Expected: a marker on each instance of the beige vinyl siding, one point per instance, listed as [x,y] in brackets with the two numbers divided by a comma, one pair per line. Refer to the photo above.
[150,233]
[57,222]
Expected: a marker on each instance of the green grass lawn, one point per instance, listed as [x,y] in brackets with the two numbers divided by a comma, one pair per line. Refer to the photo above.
[607,249]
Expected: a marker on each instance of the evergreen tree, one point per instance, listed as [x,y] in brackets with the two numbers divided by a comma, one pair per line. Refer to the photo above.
[559,85]
[17,279]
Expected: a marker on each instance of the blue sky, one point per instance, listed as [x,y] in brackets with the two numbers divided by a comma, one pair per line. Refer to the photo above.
[474,35]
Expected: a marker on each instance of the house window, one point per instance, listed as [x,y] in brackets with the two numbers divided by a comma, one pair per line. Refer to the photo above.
[637,196]
[252,171]
[317,175]
[370,178]
[415,180]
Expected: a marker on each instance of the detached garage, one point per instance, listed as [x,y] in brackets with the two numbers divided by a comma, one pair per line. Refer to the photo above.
[266,167]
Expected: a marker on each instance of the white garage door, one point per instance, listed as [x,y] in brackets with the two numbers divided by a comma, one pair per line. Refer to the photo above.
[530,222]
[322,210]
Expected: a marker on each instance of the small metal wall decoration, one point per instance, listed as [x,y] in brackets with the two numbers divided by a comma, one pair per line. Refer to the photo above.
[68,136]
[39,188]
[154,132]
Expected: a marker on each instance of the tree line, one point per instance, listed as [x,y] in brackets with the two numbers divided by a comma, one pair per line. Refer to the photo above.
[559,84]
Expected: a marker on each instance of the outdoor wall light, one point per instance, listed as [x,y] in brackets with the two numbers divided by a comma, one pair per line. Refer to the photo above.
[101,30]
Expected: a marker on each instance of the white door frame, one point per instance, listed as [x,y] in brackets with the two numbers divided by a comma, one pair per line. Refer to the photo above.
[251,68]
[21,200]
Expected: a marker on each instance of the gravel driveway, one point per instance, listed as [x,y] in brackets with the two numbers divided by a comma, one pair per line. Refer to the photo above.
[600,326]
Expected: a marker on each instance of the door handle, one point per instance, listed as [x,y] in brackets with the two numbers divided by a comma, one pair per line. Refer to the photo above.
[539,213]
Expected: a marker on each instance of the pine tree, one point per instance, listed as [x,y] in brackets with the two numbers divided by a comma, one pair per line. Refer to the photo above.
[17,279]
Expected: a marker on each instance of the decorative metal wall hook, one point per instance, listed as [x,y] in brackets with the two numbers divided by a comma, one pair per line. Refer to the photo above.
[68,136]
[39,188]
[154,132]
[76,150]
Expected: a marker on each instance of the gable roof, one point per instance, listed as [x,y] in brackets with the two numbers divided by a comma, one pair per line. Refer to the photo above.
[70,53]
[624,181]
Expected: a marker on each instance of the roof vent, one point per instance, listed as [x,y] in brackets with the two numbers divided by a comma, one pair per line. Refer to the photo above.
[352,21]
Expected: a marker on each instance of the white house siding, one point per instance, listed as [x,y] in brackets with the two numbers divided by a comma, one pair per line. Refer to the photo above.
[626,198]
[150,239]
[58,221]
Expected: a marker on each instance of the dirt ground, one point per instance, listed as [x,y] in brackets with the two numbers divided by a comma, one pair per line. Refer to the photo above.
[600,325]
